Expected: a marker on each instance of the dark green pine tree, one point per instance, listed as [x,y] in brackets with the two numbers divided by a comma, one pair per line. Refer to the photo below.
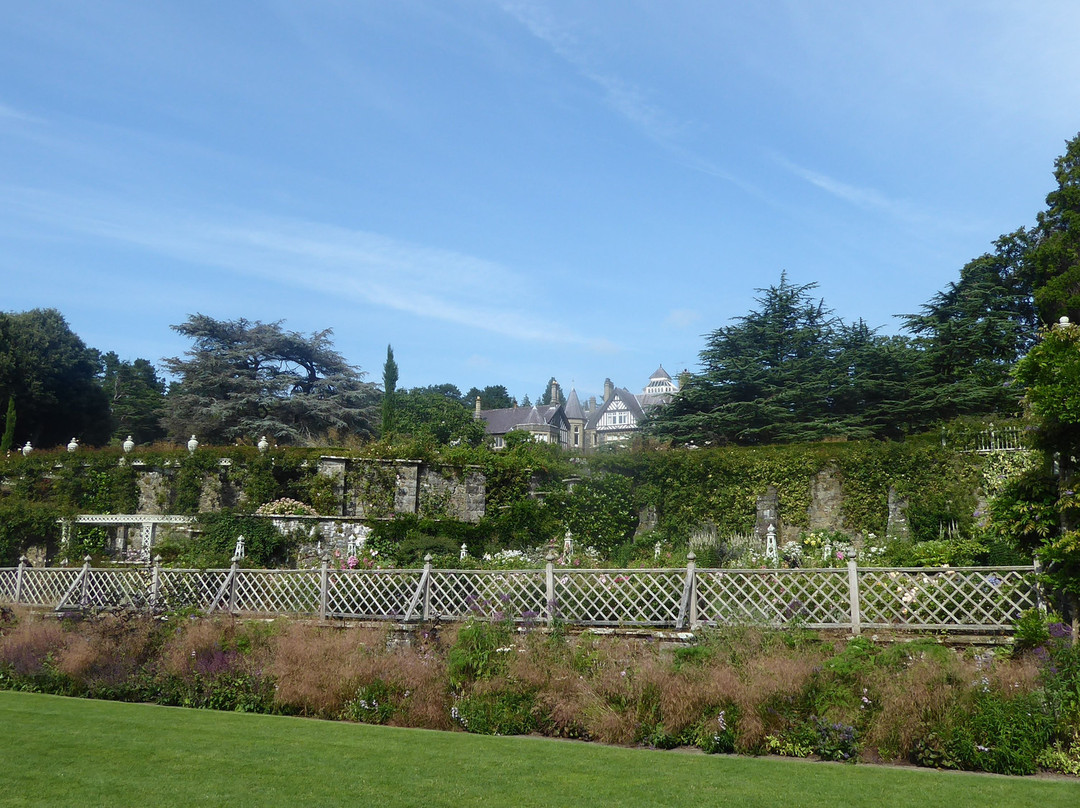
[765,379]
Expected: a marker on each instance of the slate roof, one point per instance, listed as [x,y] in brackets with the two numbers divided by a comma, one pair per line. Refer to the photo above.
[573,407]
[499,422]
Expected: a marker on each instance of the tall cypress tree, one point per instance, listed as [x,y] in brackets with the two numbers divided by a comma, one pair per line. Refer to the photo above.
[390,379]
[9,427]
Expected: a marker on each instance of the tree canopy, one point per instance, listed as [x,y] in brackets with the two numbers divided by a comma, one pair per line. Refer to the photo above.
[52,376]
[790,370]
[243,379]
[435,417]
[1055,253]
[136,398]
[492,397]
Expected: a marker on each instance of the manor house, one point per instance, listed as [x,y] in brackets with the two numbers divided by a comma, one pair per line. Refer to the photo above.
[574,425]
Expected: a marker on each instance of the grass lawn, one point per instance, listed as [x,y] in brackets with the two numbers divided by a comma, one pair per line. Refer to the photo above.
[73,752]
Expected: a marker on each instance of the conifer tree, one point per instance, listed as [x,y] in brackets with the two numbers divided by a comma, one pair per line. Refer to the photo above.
[390,379]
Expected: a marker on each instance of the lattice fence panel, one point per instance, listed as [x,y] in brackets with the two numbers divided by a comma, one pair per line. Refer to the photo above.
[961,598]
[8,579]
[371,593]
[814,598]
[128,588]
[492,594]
[188,589]
[45,587]
[277,591]
[619,597]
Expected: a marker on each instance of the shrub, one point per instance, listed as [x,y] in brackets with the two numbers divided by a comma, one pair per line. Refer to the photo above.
[480,652]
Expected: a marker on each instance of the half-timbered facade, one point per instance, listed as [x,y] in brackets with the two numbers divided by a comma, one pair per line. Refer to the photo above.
[574,426]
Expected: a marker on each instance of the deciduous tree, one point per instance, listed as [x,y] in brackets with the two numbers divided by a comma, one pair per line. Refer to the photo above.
[53,377]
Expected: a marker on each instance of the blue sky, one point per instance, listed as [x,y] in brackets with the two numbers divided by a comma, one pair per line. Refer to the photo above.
[507,191]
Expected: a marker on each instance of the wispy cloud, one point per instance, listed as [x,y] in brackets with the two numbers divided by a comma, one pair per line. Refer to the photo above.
[871,199]
[11,114]
[628,100]
[367,267]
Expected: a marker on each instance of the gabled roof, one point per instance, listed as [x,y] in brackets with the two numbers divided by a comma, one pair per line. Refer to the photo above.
[628,399]
[660,373]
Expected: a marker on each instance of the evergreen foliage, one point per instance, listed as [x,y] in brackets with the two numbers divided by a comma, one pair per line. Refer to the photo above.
[8,440]
[791,371]
[972,333]
[244,379]
[492,397]
[434,417]
[136,398]
[389,402]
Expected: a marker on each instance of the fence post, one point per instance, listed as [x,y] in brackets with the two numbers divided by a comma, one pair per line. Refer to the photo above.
[232,585]
[1040,601]
[549,576]
[688,606]
[324,582]
[18,578]
[85,579]
[425,582]
[853,597]
[155,583]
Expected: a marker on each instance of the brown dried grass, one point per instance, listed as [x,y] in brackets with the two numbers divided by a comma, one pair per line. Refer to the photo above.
[318,670]
[916,699]
[30,643]
[108,651]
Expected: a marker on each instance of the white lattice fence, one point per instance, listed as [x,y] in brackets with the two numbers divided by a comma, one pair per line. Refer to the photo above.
[373,594]
[46,587]
[9,579]
[276,592]
[814,598]
[913,598]
[497,594]
[648,597]
[125,588]
[188,589]
[961,598]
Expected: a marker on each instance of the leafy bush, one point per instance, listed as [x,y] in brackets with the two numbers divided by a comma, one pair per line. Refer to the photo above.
[25,523]
[480,652]
[214,542]
[497,712]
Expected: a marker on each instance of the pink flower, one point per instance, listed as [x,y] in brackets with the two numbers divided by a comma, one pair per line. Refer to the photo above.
[352,562]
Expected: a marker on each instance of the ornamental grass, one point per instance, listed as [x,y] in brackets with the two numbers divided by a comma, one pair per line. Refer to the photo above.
[743,690]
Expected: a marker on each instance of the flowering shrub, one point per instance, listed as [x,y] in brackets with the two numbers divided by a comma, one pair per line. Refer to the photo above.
[827,548]
[285,506]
